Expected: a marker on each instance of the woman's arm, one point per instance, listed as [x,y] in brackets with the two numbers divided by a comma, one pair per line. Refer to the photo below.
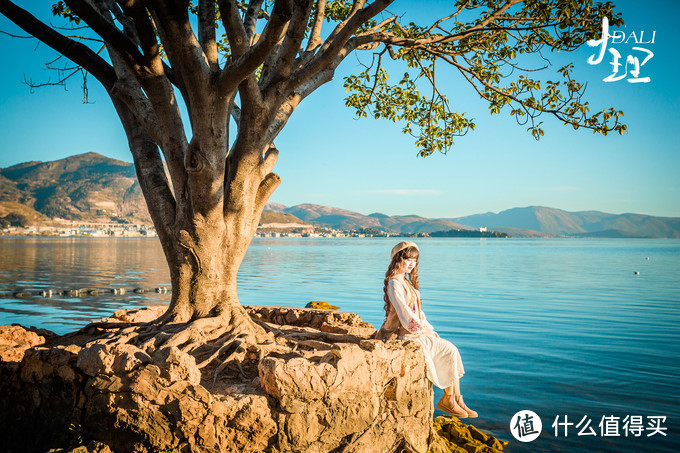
[398,295]
[427,327]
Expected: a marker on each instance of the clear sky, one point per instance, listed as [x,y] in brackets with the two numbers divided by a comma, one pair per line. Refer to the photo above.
[329,157]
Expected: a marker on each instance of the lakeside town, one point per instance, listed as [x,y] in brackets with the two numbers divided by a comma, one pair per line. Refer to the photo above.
[82,229]
[111,230]
[141,230]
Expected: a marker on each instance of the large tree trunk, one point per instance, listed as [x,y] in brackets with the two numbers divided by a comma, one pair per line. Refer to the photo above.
[203,271]
[206,226]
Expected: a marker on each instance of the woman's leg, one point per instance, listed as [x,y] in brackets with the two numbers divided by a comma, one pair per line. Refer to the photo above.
[448,402]
[452,402]
[453,389]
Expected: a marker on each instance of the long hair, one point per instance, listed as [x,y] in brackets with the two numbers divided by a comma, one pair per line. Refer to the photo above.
[395,264]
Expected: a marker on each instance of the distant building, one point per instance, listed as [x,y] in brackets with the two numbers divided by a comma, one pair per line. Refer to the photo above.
[482,229]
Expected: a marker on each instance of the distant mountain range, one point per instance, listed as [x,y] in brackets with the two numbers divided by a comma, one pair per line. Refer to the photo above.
[92,187]
[532,221]
[556,222]
[342,219]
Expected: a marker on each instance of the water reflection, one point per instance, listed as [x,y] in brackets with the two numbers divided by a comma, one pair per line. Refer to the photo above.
[58,264]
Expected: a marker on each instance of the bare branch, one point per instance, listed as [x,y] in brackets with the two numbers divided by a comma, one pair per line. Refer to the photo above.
[73,50]
[104,28]
[16,36]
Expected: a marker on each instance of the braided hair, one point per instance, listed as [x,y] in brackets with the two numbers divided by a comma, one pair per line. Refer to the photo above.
[395,264]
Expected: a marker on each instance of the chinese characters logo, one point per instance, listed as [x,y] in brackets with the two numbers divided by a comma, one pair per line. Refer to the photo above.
[613,426]
[526,426]
[631,70]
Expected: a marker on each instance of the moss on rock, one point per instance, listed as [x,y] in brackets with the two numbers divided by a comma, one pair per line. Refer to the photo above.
[458,437]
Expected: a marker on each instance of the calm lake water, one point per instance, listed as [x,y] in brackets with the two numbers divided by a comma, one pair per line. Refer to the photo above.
[562,327]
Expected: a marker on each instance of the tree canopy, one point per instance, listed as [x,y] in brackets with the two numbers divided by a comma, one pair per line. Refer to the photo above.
[484,40]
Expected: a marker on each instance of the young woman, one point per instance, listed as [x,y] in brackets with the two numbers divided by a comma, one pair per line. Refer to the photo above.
[406,320]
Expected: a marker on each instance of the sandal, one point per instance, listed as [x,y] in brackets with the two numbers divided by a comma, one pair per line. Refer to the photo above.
[461,403]
[456,411]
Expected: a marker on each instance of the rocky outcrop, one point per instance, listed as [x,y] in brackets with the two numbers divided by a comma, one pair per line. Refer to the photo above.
[321,384]
[458,437]
[146,314]
[15,340]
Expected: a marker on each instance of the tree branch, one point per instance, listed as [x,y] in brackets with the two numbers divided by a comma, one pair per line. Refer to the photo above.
[77,52]
[146,33]
[315,35]
[150,173]
[233,26]
[238,69]
[250,21]
[104,28]
[206,31]
[335,44]
[184,53]
[291,43]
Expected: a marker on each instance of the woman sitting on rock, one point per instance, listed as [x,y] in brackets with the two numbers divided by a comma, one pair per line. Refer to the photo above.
[406,320]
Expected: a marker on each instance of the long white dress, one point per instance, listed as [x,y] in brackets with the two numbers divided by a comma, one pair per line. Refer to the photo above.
[444,365]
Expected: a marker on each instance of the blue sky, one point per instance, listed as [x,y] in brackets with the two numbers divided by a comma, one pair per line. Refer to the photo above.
[329,157]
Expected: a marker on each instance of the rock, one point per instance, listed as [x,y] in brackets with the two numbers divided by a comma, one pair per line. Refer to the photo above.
[151,413]
[322,384]
[179,365]
[319,305]
[41,400]
[367,396]
[477,434]
[15,340]
[92,447]
[324,320]
[462,438]
[137,315]
[110,359]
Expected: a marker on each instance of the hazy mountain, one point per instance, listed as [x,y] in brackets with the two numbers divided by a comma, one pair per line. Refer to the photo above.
[343,219]
[85,187]
[416,224]
[274,207]
[269,217]
[584,223]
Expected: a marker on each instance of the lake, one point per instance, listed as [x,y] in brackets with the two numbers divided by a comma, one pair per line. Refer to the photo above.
[586,329]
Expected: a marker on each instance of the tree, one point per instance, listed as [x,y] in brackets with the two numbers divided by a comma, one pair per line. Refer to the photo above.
[270,57]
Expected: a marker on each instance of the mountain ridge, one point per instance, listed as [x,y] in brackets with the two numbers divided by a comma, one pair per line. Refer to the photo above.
[92,187]
[558,222]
